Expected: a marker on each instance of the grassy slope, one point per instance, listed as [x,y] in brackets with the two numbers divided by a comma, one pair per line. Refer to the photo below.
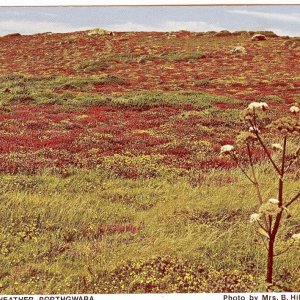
[59,233]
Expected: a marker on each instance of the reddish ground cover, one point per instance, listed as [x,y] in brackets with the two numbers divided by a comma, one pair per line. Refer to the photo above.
[35,137]
[149,61]
[50,136]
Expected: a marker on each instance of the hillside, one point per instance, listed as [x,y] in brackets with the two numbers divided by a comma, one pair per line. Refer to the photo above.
[111,178]
[164,61]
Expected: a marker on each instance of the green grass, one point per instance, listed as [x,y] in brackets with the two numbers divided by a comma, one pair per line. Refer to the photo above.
[97,65]
[64,233]
[77,91]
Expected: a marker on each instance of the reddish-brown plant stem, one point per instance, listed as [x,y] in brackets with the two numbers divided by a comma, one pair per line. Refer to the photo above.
[255,181]
[269,276]
[257,187]
[293,199]
[285,250]
[265,149]
[240,167]
[270,263]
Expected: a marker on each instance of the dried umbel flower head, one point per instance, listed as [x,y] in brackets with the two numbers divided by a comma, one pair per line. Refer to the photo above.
[246,115]
[273,201]
[277,147]
[254,218]
[286,125]
[270,209]
[254,129]
[296,236]
[294,109]
[226,149]
[245,137]
[254,109]
[257,106]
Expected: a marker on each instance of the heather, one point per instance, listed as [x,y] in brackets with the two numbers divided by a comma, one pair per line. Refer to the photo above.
[111,176]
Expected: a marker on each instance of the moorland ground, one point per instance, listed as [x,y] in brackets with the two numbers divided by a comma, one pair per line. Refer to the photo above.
[111,178]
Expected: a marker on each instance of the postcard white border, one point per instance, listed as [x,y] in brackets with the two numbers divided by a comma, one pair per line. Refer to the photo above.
[142,2]
[211,296]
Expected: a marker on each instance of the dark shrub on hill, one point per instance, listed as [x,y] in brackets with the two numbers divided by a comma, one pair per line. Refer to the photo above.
[241,33]
[12,35]
[223,33]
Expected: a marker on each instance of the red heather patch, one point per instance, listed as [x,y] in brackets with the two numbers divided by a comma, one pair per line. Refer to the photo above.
[62,53]
[216,162]
[36,137]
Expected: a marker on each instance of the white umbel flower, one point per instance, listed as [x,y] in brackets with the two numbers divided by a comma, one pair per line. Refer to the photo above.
[254,218]
[294,109]
[258,105]
[238,49]
[270,208]
[227,149]
[296,236]
[254,105]
[254,129]
[277,147]
[274,201]
[264,105]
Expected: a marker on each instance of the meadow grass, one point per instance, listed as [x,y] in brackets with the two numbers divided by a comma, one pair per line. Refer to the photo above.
[78,91]
[68,234]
